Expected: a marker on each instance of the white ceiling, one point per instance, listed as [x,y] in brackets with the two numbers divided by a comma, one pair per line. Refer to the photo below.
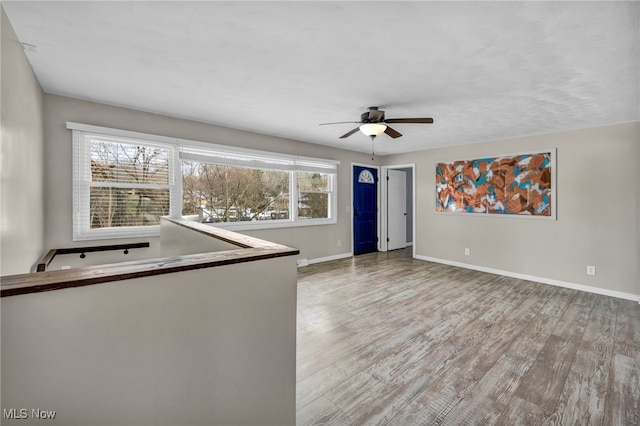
[483,70]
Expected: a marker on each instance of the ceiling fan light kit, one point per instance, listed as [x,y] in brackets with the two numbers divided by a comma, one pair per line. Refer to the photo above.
[373,129]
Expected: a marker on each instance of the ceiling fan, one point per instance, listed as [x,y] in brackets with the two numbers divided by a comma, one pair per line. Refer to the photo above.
[373,123]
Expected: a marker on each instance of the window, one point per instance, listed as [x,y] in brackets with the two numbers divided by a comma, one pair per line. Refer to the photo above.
[215,193]
[314,190]
[245,189]
[125,181]
[122,186]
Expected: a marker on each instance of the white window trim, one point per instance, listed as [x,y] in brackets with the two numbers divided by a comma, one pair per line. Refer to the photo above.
[199,151]
[82,183]
[244,157]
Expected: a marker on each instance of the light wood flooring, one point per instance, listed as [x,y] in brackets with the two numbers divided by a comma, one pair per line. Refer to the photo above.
[387,339]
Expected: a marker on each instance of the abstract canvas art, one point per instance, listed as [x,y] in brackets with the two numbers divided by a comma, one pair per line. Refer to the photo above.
[506,185]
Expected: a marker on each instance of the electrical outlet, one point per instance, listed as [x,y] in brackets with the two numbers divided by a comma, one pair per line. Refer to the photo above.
[591,270]
[467,252]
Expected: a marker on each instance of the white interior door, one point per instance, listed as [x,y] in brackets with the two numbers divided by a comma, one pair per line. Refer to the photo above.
[396,209]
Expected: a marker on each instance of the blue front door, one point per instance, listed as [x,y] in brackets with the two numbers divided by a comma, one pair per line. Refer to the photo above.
[365,210]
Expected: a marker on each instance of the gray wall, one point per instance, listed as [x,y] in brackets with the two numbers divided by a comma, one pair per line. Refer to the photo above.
[597,212]
[176,240]
[312,241]
[21,204]
[214,346]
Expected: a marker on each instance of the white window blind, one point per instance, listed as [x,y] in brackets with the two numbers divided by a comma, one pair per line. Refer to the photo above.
[255,159]
[121,186]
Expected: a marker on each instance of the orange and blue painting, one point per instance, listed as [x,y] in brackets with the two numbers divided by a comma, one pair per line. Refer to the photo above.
[507,185]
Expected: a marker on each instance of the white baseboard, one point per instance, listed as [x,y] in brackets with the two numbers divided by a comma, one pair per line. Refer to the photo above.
[305,262]
[558,283]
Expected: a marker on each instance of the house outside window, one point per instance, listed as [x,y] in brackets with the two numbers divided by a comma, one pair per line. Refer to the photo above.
[314,195]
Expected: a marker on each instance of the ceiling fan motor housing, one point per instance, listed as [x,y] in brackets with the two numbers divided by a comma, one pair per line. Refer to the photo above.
[373,115]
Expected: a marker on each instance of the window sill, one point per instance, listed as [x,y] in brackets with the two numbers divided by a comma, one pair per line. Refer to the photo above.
[271,224]
[114,233]
[154,231]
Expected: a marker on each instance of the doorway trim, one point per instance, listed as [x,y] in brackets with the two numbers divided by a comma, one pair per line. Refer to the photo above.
[378,206]
[384,202]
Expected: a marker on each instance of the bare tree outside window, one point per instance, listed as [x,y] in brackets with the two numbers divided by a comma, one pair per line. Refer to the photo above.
[129,185]
[217,193]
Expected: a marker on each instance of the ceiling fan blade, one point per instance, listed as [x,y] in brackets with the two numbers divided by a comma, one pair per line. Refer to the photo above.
[339,122]
[346,135]
[393,133]
[409,120]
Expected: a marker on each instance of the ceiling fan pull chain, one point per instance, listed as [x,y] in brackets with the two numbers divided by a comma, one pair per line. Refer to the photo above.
[372,149]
